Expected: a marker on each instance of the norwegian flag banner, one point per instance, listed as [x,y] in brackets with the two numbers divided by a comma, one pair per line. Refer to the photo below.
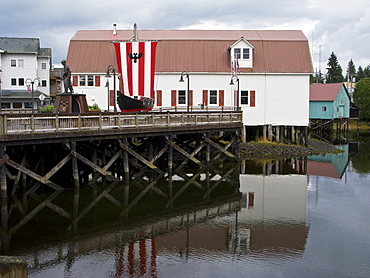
[136,65]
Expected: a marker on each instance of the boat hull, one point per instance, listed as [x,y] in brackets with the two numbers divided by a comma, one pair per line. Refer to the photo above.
[128,104]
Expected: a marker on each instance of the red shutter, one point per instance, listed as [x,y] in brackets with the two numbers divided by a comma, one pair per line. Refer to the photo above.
[159,97]
[221,95]
[75,80]
[253,99]
[205,97]
[111,97]
[173,97]
[190,98]
[97,81]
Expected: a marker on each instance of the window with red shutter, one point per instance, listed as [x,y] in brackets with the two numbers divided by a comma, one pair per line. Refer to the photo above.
[173,97]
[252,99]
[205,98]
[159,97]
[221,96]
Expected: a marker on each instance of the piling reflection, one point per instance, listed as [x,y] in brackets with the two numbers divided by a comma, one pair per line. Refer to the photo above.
[126,230]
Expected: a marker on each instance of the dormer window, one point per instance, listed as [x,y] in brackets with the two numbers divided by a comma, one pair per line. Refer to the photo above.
[241,53]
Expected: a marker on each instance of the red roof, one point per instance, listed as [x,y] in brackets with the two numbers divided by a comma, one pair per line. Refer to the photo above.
[91,51]
[324,92]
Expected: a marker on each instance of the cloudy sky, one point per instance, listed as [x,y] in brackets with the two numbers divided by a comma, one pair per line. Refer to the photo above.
[338,26]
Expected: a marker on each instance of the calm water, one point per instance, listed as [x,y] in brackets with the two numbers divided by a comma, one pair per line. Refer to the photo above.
[289,218]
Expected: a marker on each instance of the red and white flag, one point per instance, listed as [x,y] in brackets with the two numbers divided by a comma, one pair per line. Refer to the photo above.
[29,88]
[136,64]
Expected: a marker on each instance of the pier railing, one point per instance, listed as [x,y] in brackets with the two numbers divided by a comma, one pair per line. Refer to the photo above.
[44,123]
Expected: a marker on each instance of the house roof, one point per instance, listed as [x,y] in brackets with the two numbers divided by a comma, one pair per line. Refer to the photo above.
[91,51]
[23,45]
[6,94]
[324,92]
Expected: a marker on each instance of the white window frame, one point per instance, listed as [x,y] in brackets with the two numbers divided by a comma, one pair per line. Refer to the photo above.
[247,96]
[181,96]
[210,97]
[20,63]
[84,81]
[239,53]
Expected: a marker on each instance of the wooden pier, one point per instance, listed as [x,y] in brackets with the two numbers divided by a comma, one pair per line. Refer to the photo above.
[42,155]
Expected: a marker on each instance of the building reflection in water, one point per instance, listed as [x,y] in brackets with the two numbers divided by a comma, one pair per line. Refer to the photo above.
[216,211]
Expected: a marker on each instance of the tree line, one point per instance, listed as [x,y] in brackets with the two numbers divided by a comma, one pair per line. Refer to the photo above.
[334,72]
[361,76]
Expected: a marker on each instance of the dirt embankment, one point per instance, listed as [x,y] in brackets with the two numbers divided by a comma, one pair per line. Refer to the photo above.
[266,150]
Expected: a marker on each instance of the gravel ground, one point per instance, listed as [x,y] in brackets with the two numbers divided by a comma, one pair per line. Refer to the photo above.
[274,151]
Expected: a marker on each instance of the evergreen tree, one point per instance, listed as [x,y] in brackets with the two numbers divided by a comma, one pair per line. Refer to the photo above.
[360,73]
[367,71]
[351,70]
[335,73]
[317,77]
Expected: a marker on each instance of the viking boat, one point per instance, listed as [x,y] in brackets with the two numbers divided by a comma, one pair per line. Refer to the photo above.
[136,67]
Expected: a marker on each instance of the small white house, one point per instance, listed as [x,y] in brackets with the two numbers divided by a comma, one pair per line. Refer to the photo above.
[271,86]
[24,65]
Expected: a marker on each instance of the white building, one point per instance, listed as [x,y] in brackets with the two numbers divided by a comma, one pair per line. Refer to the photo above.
[23,63]
[275,67]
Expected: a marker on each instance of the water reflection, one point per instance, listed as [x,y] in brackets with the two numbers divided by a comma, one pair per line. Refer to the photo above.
[275,217]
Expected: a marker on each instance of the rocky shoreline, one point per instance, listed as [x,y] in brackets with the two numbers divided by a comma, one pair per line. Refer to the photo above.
[267,150]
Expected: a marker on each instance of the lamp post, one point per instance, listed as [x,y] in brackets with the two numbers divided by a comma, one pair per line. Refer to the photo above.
[187,90]
[237,92]
[32,83]
[110,70]
[1,93]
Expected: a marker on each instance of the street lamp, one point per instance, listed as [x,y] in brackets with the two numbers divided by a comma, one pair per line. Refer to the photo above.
[1,93]
[237,93]
[187,90]
[32,83]
[111,69]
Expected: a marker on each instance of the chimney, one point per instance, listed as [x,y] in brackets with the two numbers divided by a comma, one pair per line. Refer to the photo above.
[114,29]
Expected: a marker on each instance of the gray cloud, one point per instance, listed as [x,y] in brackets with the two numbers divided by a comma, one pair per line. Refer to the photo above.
[339,26]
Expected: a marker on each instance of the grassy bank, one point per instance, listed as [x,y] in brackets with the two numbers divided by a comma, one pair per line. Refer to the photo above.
[272,150]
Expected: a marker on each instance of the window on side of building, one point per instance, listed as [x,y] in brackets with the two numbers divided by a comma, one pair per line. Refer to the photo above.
[43,66]
[28,104]
[181,99]
[323,108]
[20,63]
[21,81]
[245,53]
[43,83]
[13,63]
[244,97]
[213,97]
[90,80]
[237,53]
[17,105]
[5,105]
[82,80]
[13,81]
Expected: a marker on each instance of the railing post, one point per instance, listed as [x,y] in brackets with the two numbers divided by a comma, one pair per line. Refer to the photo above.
[32,124]
[57,123]
[100,122]
[2,124]
[137,120]
[79,122]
